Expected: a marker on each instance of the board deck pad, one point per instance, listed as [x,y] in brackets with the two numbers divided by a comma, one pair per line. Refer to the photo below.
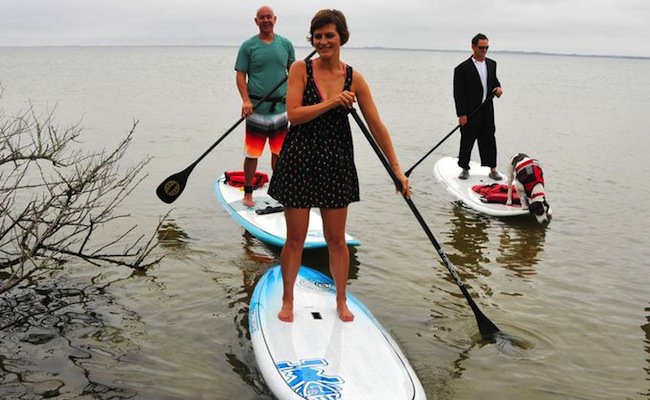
[265,220]
[446,171]
[318,356]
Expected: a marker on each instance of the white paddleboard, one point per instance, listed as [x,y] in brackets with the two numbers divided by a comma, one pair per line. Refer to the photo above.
[446,170]
[265,221]
[318,356]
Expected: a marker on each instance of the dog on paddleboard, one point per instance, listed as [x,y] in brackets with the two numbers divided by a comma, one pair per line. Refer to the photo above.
[526,176]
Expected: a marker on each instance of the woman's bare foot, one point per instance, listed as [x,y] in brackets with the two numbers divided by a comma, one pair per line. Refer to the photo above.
[286,313]
[344,313]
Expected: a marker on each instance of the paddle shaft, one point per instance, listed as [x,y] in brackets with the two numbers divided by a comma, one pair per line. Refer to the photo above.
[172,187]
[408,173]
[486,327]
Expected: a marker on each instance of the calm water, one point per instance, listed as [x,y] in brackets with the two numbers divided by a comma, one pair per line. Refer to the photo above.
[578,291]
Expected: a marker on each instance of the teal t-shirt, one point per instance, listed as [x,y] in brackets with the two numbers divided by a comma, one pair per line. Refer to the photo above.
[266,65]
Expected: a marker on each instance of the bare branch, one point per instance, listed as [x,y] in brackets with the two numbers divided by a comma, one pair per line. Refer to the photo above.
[54,198]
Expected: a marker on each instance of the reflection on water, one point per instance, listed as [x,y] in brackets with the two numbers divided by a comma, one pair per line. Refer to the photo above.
[318,259]
[520,242]
[259,252]
[259,257]
[481,243]
[248,376]
[255,260]
[469,236]
[646,330]
[52,351]
[171,236]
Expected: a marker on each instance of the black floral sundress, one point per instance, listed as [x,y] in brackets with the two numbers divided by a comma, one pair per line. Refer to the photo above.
[316,164]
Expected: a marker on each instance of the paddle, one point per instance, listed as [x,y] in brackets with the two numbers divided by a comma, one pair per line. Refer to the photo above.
[488,330]
[172,187]
[408,173]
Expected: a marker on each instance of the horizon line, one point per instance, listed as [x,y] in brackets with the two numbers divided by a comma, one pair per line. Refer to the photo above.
[506,51]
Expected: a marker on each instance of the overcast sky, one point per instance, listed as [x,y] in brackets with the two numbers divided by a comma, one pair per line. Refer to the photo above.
[597,27]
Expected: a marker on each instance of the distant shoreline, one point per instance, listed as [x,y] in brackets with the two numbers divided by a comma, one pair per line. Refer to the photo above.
[533,53]
[379,48]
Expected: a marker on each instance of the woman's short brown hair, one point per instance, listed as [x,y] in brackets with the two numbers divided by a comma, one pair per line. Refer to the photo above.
[326,17]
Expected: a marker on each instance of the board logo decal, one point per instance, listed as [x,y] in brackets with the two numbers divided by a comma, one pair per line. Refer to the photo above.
[316,286]
[308,380]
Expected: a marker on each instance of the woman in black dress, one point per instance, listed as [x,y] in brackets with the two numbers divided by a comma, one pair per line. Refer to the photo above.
[316,164]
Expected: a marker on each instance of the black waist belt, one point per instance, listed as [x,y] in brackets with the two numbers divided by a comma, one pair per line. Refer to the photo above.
[272,100]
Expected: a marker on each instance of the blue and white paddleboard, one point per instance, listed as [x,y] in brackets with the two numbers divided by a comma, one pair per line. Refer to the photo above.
[446,170]
[265,221]
[320,357]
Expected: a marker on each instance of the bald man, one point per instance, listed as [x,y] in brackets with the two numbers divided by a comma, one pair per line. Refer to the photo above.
[262,62]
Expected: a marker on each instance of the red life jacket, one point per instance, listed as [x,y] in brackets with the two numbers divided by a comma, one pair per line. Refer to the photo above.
[529,173]
[236,179]
[496,193]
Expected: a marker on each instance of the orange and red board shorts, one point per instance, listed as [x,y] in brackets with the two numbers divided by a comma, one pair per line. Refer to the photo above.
[260,128]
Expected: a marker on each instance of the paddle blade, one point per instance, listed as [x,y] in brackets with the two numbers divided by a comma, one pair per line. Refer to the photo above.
[485,326]
[172,187]
[488,330]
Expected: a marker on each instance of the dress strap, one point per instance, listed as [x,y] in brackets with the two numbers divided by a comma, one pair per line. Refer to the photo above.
[348,77]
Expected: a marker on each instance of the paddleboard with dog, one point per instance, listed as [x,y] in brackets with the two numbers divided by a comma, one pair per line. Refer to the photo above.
[479,192]
[265,220]
[318,356]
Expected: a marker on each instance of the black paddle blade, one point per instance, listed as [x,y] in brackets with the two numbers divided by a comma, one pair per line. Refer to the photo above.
[487,328]
[172,187]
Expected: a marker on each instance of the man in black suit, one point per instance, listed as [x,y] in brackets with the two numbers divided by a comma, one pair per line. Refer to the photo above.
[474,79]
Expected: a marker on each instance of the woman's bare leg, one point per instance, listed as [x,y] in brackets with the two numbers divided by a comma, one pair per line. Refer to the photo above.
[334,220]
[297,220]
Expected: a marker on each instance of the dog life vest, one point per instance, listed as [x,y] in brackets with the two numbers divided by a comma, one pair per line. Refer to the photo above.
[529,173]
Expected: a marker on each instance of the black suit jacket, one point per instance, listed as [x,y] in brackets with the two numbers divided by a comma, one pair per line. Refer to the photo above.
[468,91]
